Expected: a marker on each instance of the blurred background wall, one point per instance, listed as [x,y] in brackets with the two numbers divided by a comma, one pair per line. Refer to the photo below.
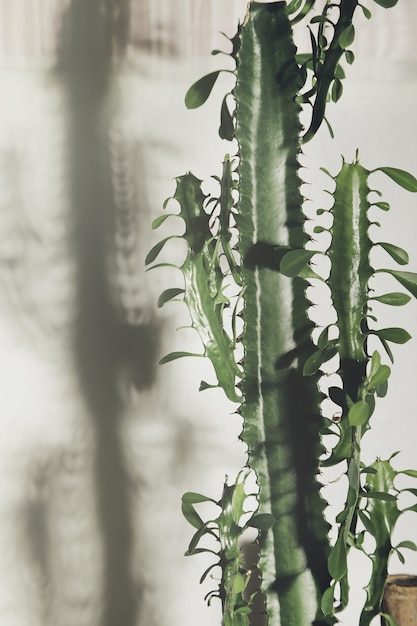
[97,444]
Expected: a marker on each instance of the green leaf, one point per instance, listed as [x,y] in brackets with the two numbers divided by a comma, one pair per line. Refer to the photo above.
[350,57]
[153,252]
[227,620]
[190,497]
[367,522]
[238,583]
[191,515]
[227,129]
[396,335]
[394,299]
[201,531]
[401,177]
[327,601]
[400,556]
[387,4]
[358,413]
[326,171]
[316,360]
[337,562]
[172,356]
[337,90]
[347,36]
[198,93]
[168,295]
[378,495]
[161,219]
[381,390]
[398,254]
[262,521]
[375,363]
[366,12]
[293,6]
[410,545]
[294,261]
[384,206]
[406,279]
[410,472]
[243,610]
[380,377]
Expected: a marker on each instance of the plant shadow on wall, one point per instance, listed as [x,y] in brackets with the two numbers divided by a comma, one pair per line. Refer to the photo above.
[114,347]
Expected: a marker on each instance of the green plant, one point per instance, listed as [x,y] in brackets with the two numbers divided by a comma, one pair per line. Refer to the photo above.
[304,577]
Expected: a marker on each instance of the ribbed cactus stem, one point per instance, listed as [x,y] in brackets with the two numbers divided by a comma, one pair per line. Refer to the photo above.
[269,219]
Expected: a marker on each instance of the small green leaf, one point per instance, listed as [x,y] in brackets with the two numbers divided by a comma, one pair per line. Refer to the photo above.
[400,556]
[327,601]
[172,356]
[394,299]
[402,178]
[316,360]
[153,252]
[201,531]
[396,335]
[410,545]
[168,295]
[337,562]
[358,413]
[380,377]
[337,90]
[238,583]
[190,497]
[294,261]
[347,36]
[384,206]
[378,495]
[326,171]
[398,254]
[381,390]
[366,12]
[161,219]
[375,363]
[367,522]
[410,472]
[198,93]
[387,4]
[243,610]
[227,129]
[262,521]
[350,57]
[340,72]
[227,620]
[191,515]
[406,279]
[293,6]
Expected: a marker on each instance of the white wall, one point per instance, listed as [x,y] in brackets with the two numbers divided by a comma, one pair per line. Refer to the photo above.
[82,469]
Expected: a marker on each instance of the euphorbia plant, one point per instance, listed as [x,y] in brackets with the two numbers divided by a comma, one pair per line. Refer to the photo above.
[263,279]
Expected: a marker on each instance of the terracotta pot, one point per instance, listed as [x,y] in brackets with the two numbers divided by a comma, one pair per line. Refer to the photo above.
[400,599]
